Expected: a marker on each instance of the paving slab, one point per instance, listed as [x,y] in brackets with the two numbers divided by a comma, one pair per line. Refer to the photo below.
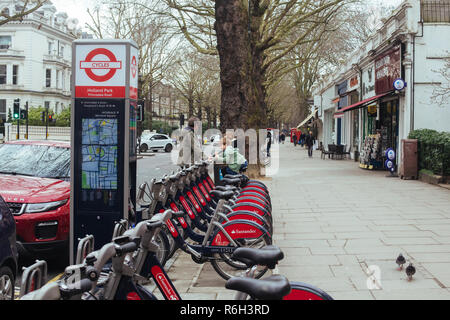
[340,227]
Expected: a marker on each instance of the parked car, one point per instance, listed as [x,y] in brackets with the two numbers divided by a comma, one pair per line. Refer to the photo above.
[34,182]
[155,142]
[8,252]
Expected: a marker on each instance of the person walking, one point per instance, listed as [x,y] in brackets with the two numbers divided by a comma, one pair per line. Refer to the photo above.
[190,147]
[282,137]
[269,142]
[309,140]
[295,139]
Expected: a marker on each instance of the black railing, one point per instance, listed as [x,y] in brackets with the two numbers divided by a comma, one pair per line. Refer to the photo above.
[435,157]
[435,10]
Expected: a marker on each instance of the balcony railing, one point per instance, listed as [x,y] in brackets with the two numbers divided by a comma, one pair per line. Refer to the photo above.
[435,11]
[56,58]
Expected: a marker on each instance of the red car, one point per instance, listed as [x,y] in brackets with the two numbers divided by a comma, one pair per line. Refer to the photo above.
[35,183]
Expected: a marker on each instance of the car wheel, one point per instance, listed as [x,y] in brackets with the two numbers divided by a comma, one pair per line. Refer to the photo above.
[168,148]
[7,284]
[144,147]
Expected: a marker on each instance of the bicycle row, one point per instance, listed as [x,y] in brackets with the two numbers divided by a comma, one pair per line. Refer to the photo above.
[229,226]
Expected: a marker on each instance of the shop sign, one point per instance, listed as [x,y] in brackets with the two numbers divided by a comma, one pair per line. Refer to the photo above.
[368,83]
[387,69]
[353,82]
[372,109]
[399,84]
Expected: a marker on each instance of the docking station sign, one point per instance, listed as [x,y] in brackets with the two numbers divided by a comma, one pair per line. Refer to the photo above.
[100,71]
[104,165]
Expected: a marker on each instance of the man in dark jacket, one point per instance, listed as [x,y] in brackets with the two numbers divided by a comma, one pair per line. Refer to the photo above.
[309,140]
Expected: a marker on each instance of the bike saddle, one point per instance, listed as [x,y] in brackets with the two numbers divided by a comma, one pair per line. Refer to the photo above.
[174,177]
[160,182]
[226,195]
[233,176]
[225,188]
[271,288]
[178,214]
[267,256]
[233,182]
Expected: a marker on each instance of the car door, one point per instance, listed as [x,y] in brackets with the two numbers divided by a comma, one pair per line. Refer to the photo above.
[159,141]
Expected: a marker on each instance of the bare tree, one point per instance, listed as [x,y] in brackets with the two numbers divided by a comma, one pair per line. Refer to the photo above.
[25,8]
[135,19]
[250,38]
[195,76]
[441,92]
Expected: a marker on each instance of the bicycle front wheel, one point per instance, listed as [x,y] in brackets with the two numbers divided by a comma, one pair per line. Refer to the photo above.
[227,267]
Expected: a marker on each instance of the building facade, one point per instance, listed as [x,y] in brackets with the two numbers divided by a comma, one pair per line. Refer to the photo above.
[363,110]
[35,59]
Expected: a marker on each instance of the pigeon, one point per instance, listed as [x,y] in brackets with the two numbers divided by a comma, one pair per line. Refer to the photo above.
[400,261]
[410,270]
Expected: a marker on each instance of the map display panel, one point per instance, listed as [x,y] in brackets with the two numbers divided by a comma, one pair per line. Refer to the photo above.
[99,154]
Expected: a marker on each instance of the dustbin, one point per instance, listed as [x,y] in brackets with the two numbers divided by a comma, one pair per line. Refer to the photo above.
[409,168]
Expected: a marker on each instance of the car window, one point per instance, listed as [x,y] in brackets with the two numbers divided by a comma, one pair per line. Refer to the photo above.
[160,137]
[35,160]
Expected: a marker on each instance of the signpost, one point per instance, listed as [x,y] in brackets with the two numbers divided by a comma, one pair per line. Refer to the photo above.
[103,180]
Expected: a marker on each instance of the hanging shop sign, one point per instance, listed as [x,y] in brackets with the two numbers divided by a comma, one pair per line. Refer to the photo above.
[399,84]
[372,109]
[387,69]
[390,160]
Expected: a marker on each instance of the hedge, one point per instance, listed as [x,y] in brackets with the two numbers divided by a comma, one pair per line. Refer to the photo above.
[434,150]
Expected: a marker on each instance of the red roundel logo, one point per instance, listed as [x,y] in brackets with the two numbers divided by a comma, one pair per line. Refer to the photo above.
[98,68]
[133,67]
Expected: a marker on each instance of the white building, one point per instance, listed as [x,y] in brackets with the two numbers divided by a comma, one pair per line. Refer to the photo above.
[360,100]
[35,59]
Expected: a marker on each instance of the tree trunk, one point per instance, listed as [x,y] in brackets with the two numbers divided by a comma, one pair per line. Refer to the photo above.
[150,109]
[233,45]
[191,107]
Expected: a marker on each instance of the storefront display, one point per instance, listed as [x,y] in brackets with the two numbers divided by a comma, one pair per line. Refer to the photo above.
[371,154]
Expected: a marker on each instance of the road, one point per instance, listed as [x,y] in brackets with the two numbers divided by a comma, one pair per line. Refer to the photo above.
[150,165]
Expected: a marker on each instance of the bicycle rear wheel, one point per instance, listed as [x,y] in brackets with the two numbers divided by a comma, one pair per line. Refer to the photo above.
[227,268]
[304,291]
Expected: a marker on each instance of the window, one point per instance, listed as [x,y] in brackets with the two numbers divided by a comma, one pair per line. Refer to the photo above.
[15,74]
[3,74]
[57,79]
[61,52]
[47,105]
[50,47]
[5,42]
[2,110]
[48,78]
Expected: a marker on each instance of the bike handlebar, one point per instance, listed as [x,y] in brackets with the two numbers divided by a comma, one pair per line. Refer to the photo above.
[79,287]
[127,247]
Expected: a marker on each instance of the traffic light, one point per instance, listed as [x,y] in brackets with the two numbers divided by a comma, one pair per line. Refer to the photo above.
[16,111]
[43,116]
[50,117]
[23,114]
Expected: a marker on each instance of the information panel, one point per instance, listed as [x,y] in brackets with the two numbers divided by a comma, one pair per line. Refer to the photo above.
[103,179]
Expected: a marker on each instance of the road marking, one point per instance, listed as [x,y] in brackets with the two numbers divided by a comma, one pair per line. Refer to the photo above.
[56,278]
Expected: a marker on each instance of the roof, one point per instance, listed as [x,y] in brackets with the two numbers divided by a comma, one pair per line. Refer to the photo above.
[49,143]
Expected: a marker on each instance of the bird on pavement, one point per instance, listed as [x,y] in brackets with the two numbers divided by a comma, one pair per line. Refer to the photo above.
[410,270]
[400,261]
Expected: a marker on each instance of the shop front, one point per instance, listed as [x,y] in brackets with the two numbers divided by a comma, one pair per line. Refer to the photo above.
[381,117]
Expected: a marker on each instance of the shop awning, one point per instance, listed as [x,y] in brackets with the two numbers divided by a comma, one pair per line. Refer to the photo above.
[360,104]
[338,115]
[308,118]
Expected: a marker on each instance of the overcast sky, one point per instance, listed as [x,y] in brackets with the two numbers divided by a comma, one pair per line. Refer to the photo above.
[77,8]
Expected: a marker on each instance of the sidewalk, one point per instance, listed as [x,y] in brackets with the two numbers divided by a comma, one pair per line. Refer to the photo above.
[338,224]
